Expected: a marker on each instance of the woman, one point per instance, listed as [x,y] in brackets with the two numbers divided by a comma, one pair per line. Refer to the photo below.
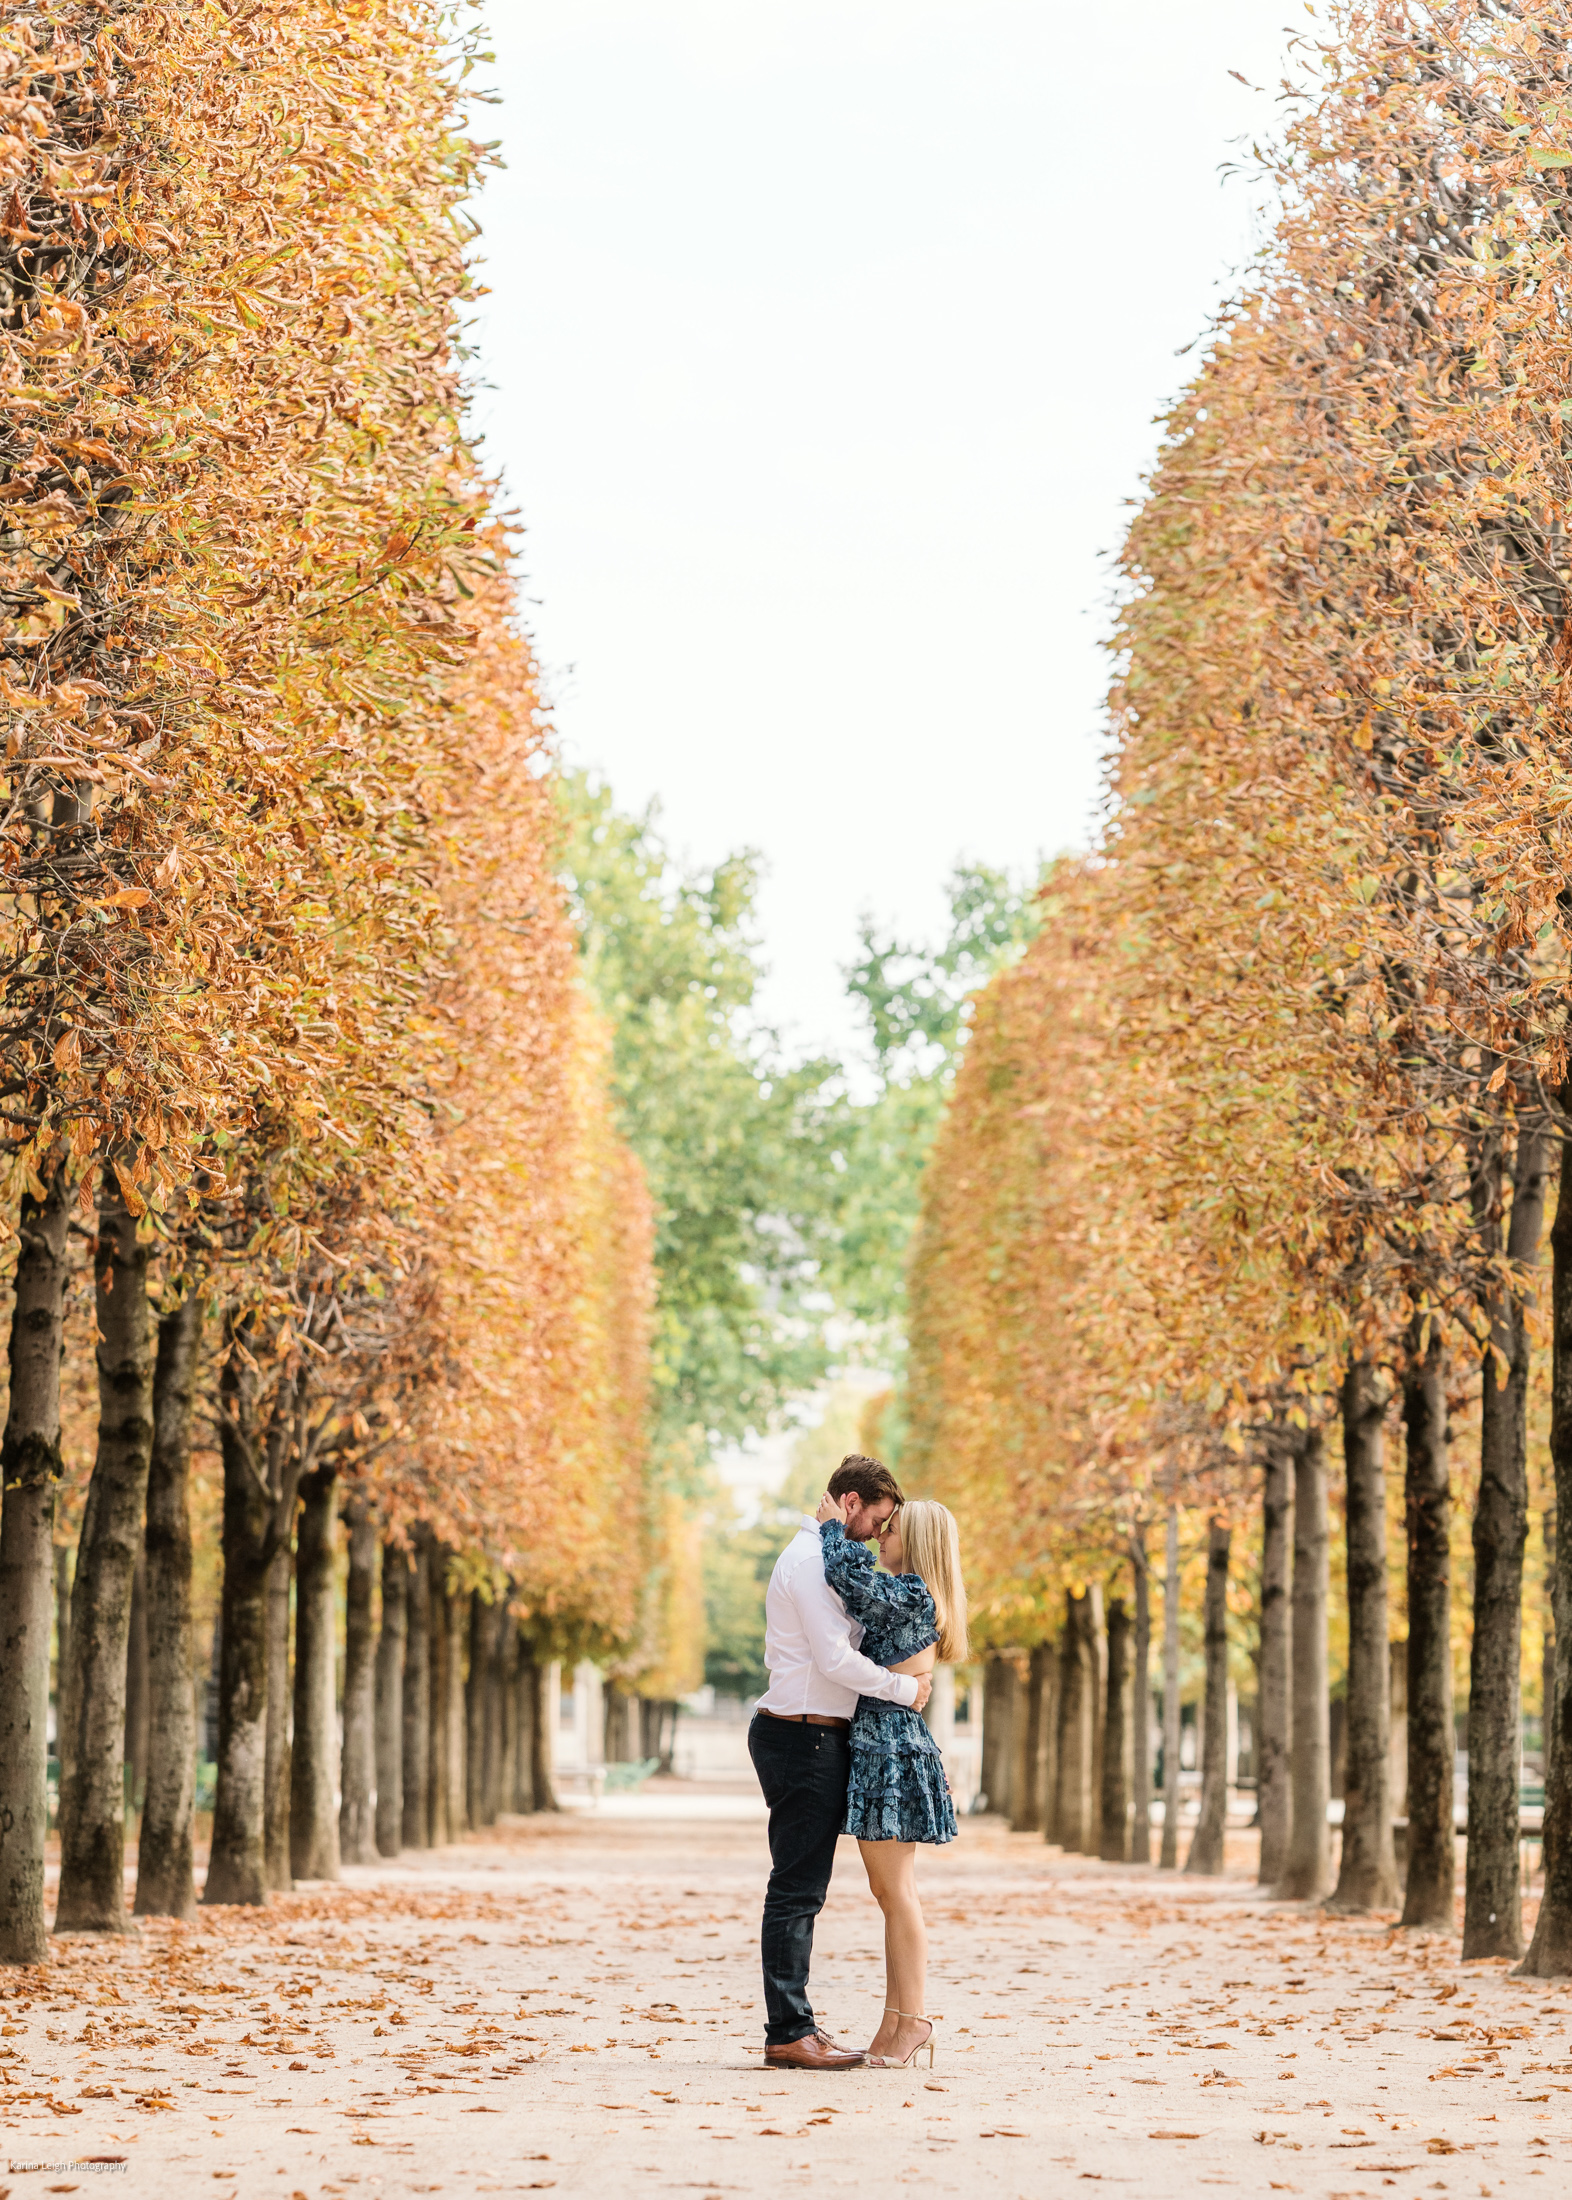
[897,1794]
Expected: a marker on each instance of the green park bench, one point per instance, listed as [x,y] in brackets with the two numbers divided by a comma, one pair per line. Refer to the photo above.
[623,1779]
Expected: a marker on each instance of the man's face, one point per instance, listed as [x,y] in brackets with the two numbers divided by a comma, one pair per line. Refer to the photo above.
[863,1522]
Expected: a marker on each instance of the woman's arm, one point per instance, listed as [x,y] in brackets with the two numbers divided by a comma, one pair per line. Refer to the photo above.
[848,1568]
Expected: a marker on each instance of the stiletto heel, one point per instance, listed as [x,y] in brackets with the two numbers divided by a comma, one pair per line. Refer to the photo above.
[906,2062]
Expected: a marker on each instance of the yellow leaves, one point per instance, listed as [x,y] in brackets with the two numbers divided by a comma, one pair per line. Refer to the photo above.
[91,446]
[41,624]
[16,698]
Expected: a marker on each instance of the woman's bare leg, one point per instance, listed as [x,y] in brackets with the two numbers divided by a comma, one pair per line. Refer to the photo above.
[892,1875]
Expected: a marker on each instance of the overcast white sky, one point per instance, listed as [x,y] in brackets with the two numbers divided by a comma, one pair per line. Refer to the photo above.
[826,338]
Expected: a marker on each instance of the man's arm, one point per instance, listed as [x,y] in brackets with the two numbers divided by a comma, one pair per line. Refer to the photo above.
[829,1638]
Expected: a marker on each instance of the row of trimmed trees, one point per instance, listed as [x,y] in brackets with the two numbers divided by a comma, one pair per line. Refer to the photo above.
[310,1169]
[1252,1153]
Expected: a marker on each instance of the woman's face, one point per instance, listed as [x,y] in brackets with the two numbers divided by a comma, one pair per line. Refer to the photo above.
[892,1551]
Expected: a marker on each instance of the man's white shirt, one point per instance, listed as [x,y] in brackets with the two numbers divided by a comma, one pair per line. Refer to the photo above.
[810,1644]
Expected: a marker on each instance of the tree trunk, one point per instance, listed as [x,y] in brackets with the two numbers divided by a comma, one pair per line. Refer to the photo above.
[358,1778]
[619,1710]
[236,1869]
[1026,1813]
[1099,1647]
[417,1698]
[1432,1846]
[542,1789]
[1274,1705]
[667,1715]
[65,1566]
[164,1883]
[1547,1660]
[1079,1808]
[29,1473]
[137,1707]
[508,1714]
[92,1758]
[1168,1858]
[998,1705]
[483,1619]
[1140,1703]
[524,1723]
[1206,1845]
[479,1612]
[438,1822]
[1367,1873]
[1022,1759]
[277,1772]
[457,1769]
[493,1723]
[313,1819]
[507,1698]
[1045,1757]
[392,1649]
[1310,1847]
[1058,1654]
[1493,1896]
[1550,1951]
[1114,1831]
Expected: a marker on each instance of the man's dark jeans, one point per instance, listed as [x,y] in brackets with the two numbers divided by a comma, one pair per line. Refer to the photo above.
[802,1770]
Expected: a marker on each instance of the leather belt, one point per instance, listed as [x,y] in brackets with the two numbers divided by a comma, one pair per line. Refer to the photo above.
[804,1718]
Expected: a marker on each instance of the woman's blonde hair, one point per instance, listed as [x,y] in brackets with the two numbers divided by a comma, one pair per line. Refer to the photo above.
[932,1544]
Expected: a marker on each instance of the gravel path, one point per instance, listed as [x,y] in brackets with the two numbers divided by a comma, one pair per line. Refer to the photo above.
[573,2006]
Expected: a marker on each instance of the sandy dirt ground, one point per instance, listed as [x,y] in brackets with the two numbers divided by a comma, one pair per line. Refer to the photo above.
[572,2006]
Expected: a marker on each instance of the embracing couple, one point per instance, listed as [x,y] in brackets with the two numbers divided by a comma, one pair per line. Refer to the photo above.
[839,1748]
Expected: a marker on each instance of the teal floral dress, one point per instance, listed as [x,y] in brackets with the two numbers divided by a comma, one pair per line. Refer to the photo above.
[896,1790]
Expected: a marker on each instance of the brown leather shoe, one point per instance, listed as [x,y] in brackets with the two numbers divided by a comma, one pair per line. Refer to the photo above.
[813,2052]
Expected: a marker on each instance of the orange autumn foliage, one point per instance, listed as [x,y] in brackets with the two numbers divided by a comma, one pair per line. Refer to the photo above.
[1332,957]
[277,898]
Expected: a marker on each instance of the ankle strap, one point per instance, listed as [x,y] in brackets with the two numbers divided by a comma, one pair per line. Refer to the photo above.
[918,2016]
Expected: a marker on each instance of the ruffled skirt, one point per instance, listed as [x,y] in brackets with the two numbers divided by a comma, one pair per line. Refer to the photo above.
[896,1790]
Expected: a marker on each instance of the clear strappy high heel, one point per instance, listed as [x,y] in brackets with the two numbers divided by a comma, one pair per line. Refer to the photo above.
[906,2062]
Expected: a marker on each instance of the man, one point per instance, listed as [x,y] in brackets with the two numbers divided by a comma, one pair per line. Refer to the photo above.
[800,1745]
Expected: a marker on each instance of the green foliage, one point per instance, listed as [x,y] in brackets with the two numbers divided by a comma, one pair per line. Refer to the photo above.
[738,1561]
[732,1141]
[915,997]
[737,1567]
[916,1001]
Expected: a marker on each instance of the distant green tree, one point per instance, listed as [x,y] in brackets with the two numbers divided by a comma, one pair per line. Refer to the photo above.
[733,1140]
[738,1561]
[916,1002]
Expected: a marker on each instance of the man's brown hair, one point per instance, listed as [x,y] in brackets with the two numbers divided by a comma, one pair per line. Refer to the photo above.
[869,1479]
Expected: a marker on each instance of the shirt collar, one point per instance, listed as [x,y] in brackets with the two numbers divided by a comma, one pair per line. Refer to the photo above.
[809,1523]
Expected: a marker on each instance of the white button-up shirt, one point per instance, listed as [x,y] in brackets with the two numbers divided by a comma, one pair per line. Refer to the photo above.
[810,1645]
